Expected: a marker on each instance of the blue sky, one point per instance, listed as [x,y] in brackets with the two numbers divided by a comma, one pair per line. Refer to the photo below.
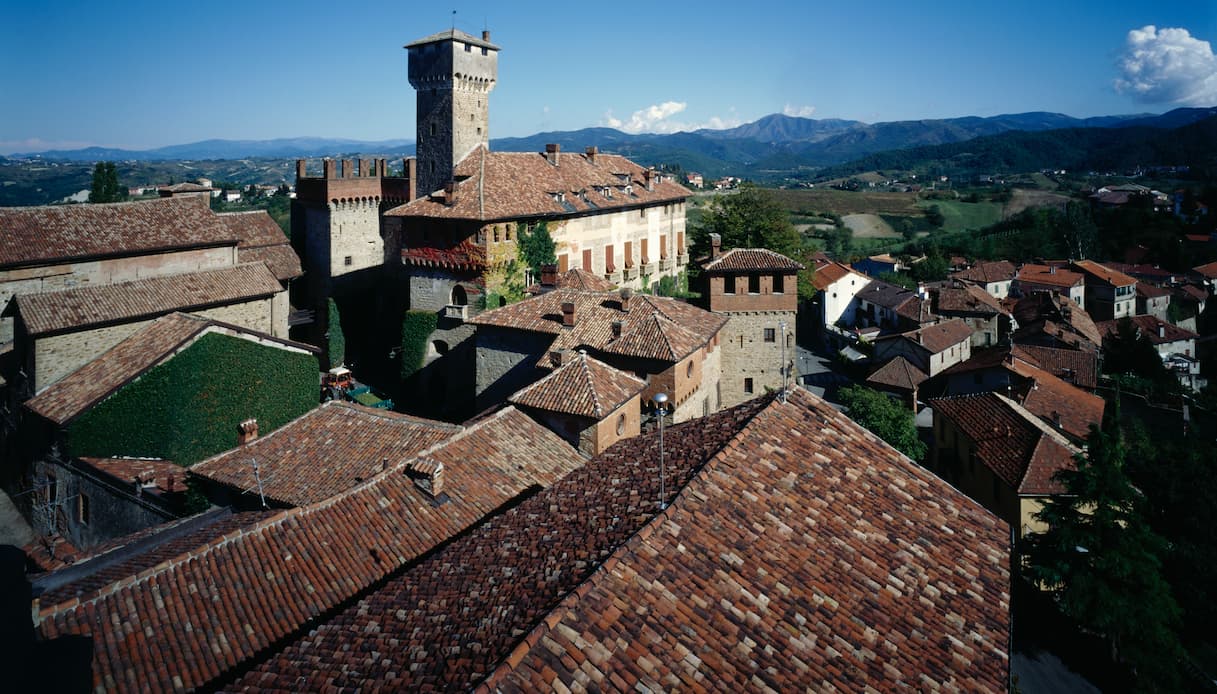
[143,74]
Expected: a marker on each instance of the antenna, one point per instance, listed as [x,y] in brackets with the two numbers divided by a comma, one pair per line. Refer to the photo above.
[454,20]
[661,399]
[258,483]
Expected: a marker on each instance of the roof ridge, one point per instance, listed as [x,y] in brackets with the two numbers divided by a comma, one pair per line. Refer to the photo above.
[591,383]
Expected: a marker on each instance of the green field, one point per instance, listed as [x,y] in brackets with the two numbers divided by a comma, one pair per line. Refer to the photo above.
[959,216]
[806,201]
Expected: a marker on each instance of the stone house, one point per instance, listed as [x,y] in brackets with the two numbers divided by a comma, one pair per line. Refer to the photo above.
[1110,295]
[1034,278]
[970,303]
[931,348]
[1052,320]
[995,277]
[995,451]
[1153,300]
[891,308]
[672,345]
[1174,344]
[757,290]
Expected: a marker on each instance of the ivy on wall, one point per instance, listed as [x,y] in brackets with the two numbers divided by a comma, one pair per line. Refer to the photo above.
[416,329]
[188,408]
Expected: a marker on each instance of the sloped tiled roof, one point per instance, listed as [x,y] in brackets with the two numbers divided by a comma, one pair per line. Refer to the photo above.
[969,299]
[798,551]
[653,327]
[988,272]
[937,337]
[887,295]
[1193,292]
[1008,441]
[1208,270]
[1103,273]
[1148,291]
[70,396]
[200,613]
[578,278]
[898,373]
[187,187]
[583,386]
[1057,402]
[1075,366]
[128,301]
[162,475]
[261,240]
[324,452]
[57,233]
[452,34]
[751,260]
[515,185]
[1058,317]
[1050,276]
[1156,330]
[828,273]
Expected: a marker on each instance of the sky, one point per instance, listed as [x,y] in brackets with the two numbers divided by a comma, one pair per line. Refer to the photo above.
[140,75]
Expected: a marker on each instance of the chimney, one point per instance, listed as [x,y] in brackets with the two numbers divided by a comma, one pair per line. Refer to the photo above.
[568,314]
[169,483]
[1051,269]
[427,475]
[346,168]
[1056,419]
[551,153]
[450,193]
[626,294]
[247,431]
[485,34]
[616,328]
[330,167]
[591,154]
[648,178]
[300,169]
[555,357]
[549,275]
[716,245]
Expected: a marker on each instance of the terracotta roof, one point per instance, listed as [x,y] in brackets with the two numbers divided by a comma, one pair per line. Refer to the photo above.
[583,386]
[39,235]
[261,240]
[898,373]
[653,327]
[80,308]
[464,255]
[160,475]
[1008,441]
[828,273]
[199,613]
[187,187]
[988,272]
[578,278]
[1075,366]
[515,185]
[1193,292]
[324,452]
[1156,330]
[798,551]
[1149,291]
[1103,273]
[937,337]
[1056,402]
[1208,270]
[1058,317]
[67,398]
[968,299]
[1144,271]
[1050,275]
[751,260]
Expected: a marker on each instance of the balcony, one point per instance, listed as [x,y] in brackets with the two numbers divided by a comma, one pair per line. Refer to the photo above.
[613,276]
[646,269]
[666,264]
[456,312]
[630,273]
[682,259]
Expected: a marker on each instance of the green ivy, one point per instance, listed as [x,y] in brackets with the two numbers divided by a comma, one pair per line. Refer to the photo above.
[416,329]
[335,338]
[188,408]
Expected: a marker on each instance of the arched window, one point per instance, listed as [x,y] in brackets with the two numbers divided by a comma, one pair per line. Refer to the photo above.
[620,425]
[459,298]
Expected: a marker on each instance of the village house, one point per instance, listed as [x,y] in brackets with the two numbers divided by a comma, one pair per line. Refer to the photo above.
[876,265]
[1152,300]
[1052,320]
[891,308]
[1034,278]
[973,305]
[931,348]
[1110,295]
[836,288]
[655,602]
[1175,345]
[995,451]
[995,277]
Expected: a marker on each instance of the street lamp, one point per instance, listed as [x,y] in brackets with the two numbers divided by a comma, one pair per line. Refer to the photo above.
[660,400]
[785,370]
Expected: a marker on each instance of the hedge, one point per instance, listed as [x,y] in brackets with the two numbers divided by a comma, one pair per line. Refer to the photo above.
[336,340]
[188,408]
[416,329]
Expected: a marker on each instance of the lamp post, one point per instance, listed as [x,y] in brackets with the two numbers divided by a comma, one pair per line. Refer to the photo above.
[785,370]
[660,400]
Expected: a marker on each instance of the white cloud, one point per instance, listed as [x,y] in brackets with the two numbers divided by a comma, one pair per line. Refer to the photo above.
[799,111]
[1168,66]
[657,118]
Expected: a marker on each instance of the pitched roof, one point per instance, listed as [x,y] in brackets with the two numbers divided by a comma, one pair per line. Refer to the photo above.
[842,562]
[937,337]
[67,398]
[1193,292]
[578,278]
[1208,270]
[1009,441]
[652,328]
[324,452]
[261,240]
[83,307]
[988,272]
[885,294]
[1057,316]
[828,273]
[187,187]
[583,386]
[751,260]
[1146,290]
[1104,274]
[155,475]
[201,612]
[1075,366]
[1156,330]
[898,373]
[1057,402]
[514,185]
[1050,275]
[57,233]
[452,34]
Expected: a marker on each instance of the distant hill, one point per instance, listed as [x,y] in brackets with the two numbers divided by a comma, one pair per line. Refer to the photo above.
[232,149]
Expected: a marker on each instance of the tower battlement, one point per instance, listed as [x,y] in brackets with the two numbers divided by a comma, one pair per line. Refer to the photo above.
[358,179]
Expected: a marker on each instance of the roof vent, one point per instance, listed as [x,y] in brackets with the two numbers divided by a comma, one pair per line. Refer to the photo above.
[616,328]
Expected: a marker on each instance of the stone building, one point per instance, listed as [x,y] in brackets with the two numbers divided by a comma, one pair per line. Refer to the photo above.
[1110,294]
[757,290]
[931,348]
[995,277]
[979,309]
[1034,278]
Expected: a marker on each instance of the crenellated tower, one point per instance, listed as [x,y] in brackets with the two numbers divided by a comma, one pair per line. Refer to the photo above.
[452,73]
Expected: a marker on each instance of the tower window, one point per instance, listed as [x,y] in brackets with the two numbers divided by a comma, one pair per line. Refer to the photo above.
[432,129]
[82,509]
[347,260]
[747,385]
[770,335]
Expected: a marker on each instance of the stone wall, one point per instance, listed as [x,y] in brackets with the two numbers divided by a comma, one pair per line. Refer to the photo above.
[622,423]
[354,236]
[506,362]
[113,510]
[748,356]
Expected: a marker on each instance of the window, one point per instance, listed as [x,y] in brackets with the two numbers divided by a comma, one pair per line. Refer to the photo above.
[770,335]
[51,492]
[431,131]
[629,254]
[747,385]
[777,284]
[347,260]
[587,260]
[620,424]
[754,284]
[689,369]
[459,297]
[82,508]
[496,234]
[728,285]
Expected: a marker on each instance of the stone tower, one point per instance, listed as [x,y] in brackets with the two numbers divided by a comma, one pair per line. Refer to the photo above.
[452,73]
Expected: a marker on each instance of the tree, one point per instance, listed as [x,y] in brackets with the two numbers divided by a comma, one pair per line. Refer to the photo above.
[748,218]
[934,216]
[1130,351]
[886,418]
[335,339]
[105,186]
[537,247]
[1101,562]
